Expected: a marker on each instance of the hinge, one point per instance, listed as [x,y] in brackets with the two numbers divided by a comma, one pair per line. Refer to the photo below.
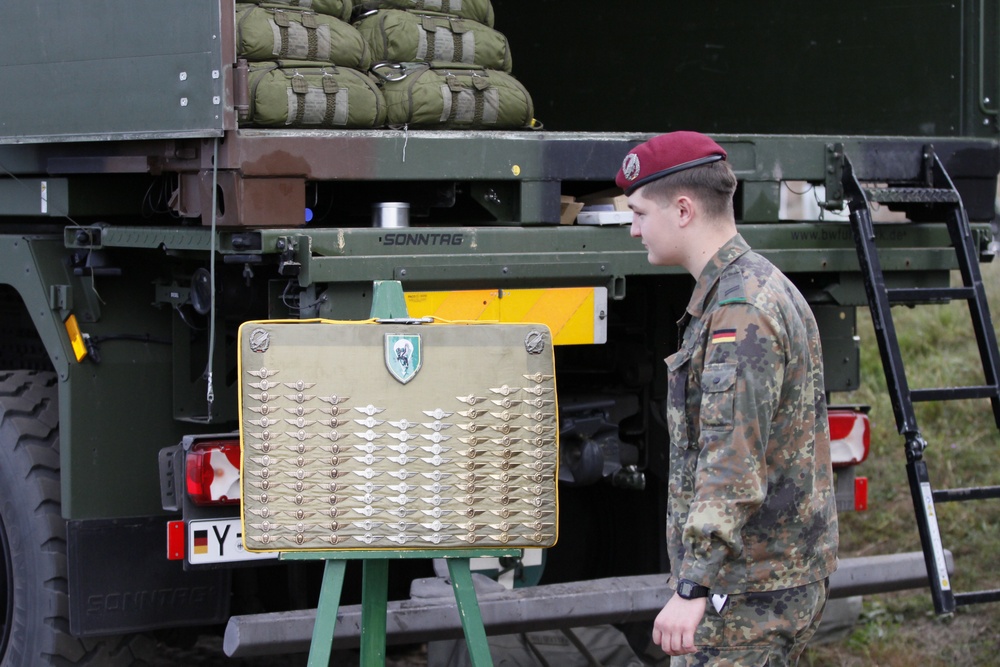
[834,175]
[83,237]
[288,264]
[61,298]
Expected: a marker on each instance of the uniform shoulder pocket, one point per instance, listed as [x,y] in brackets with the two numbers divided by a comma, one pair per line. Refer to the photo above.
[718,398]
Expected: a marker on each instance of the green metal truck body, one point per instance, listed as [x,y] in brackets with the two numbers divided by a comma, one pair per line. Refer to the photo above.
[126,179]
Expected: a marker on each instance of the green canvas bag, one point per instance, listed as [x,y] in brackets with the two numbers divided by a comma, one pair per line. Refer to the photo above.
[339,8]
[297,94]
[269,32]
[398,36]
[474,10]
[449,96]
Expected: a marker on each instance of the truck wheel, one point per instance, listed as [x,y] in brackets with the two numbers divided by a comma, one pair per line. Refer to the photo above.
[34,623]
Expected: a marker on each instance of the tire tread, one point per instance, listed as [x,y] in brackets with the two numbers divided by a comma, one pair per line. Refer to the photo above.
[29,427]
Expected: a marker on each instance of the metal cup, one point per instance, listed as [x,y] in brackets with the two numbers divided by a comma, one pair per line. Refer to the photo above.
[391,214]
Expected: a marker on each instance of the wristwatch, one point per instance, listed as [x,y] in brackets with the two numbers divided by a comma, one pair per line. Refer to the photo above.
[689,590]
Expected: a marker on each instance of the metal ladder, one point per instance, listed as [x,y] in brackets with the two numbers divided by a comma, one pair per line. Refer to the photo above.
[938,191]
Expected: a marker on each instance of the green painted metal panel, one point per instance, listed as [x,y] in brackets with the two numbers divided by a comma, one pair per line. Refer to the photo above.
[73,69]
[32,265]
[114,67]
[76,197]
[501,178]
[841,347]
[115,412]
[43,197]
[541,255]
[584,163]
[116,408]
[917,68]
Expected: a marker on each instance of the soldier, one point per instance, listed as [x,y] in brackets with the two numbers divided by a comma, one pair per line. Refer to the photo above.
[751,514]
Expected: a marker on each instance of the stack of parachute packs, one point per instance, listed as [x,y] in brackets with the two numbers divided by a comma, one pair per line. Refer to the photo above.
[308,66]
[441,65]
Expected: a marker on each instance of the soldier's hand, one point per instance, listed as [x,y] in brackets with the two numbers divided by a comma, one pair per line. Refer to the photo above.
[673,629]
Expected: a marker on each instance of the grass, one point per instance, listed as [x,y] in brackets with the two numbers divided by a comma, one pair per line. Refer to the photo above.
[901,629]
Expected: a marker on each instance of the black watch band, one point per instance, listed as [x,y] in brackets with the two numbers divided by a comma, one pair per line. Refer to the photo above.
[689,590]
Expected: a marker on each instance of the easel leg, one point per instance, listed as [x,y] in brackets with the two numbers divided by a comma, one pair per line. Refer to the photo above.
[468,611]
[374,605]
[326,613]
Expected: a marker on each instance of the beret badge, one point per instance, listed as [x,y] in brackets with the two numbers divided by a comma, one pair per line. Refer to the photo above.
[630,167]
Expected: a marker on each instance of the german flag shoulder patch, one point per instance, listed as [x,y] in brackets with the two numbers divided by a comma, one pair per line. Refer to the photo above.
[724,336]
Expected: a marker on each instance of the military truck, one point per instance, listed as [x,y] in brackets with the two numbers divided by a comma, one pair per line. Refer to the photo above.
[142,220]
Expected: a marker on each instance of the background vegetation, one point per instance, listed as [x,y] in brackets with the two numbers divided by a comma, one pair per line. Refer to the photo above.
[939,350]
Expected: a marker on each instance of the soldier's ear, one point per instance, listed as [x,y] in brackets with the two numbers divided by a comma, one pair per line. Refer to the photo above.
[686,208]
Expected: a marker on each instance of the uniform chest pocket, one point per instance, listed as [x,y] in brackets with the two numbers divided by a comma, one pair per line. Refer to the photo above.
[718,396]
[677,396]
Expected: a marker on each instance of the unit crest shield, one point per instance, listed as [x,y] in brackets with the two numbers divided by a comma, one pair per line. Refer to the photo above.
[403,356]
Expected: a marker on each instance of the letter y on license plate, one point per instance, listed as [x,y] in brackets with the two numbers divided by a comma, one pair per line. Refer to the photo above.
[219,541]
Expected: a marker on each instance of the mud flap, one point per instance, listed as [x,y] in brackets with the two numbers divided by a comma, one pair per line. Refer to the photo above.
[121,581]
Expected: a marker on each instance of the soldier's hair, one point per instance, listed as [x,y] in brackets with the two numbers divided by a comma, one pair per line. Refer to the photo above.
[712,184]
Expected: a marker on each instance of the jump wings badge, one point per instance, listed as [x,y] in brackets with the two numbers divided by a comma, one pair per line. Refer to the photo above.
[402,355]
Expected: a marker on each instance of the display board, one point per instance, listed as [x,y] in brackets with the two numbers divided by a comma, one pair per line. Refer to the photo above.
[397,436]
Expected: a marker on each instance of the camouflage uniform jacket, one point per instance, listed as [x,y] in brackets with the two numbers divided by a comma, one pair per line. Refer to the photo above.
[751,504]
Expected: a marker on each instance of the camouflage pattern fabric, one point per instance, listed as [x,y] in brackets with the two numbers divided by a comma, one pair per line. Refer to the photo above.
[758,629]
[751,504]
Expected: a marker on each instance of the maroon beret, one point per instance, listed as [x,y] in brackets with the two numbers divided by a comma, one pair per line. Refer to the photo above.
[666,154]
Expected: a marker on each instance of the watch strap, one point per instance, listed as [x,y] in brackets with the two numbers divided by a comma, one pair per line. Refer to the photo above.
[690,590]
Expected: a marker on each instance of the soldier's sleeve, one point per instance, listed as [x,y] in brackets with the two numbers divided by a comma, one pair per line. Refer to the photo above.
[740,390]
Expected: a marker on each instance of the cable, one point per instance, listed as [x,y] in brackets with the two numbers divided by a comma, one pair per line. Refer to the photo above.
[210,391]
[61,213]
[184,318]
[21,183]
[809,186]
[299,308]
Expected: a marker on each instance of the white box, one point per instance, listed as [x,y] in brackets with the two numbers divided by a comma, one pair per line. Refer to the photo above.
[604,218]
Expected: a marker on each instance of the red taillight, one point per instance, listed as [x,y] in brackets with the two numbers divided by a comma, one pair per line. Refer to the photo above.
[213,472]
[850,437]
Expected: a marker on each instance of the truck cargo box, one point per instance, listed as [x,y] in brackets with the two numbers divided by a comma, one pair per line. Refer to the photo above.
[165,70]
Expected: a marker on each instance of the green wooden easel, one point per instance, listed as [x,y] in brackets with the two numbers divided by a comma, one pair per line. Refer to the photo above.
[388,302]
[374,602]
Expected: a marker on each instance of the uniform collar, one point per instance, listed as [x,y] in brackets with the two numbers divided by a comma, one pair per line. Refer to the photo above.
[709,278]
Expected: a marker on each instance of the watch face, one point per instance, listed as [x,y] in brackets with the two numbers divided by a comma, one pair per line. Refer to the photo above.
[688,589]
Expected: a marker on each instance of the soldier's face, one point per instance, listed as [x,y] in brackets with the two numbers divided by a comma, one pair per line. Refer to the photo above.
[656,225]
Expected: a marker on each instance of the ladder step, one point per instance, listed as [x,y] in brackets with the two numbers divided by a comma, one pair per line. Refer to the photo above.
[912,195]
[924,294]
[970,493]
[880,300]
[954,393]
[977,597]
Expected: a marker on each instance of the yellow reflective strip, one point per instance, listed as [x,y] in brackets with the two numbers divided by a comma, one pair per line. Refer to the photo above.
[459,305]
[76,338]
[567,311]
[579,326]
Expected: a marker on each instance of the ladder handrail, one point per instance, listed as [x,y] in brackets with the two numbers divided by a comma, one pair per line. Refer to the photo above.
[961,237]
[875,288]
[880,300]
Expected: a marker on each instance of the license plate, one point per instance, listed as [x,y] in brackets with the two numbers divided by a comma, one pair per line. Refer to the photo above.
[219,541]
